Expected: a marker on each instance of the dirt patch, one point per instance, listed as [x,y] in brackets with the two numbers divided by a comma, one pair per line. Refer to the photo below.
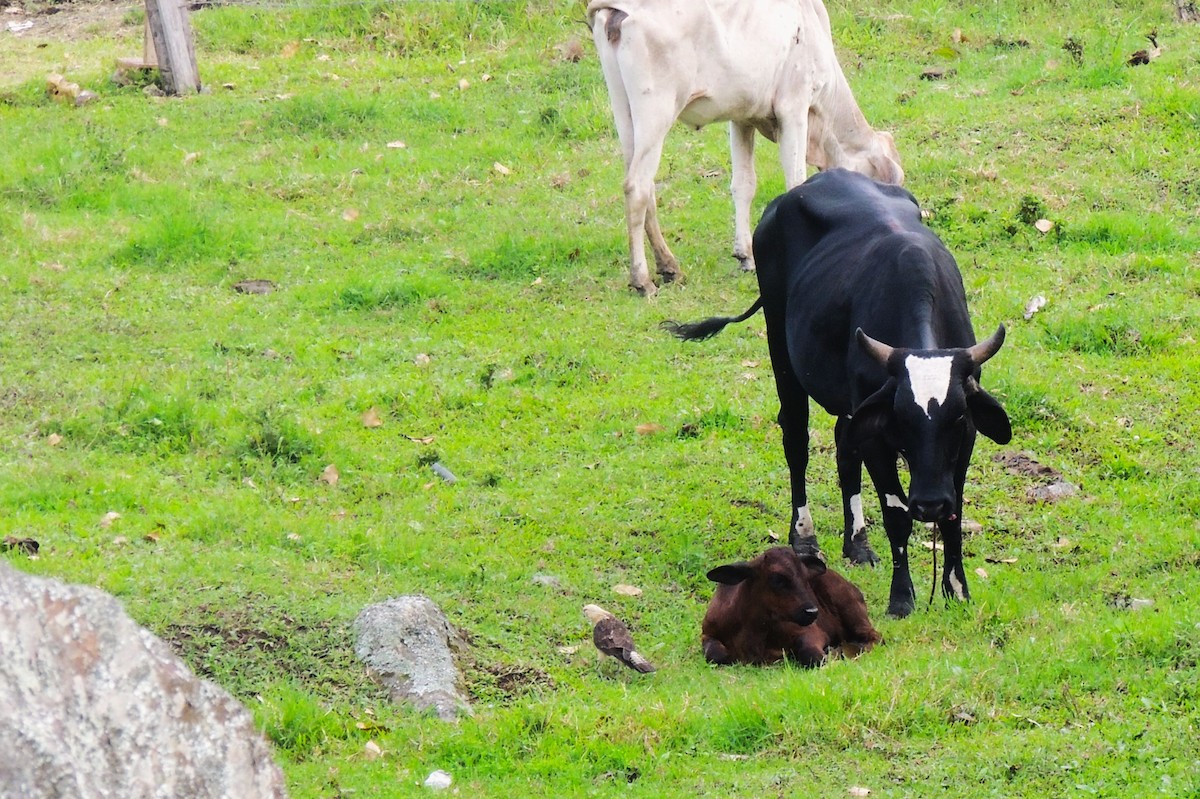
[1023,464]
[69,22]
[72,39]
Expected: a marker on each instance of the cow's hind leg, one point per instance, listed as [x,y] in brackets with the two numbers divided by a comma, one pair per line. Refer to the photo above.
[664,259]
[881,464]
[855,546]
[641,130]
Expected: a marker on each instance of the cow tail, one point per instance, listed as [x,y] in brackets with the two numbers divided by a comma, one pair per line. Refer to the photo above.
[707,328]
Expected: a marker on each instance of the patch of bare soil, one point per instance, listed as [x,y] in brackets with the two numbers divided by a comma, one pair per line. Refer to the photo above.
[66,21]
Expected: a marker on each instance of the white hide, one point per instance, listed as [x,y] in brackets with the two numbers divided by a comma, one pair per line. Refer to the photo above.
[856,513]
[930,379]
[767,65]
[804,523]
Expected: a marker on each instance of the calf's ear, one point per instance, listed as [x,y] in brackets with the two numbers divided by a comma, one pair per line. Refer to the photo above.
[872,417]
[989,418]
[731,573]
[815,565]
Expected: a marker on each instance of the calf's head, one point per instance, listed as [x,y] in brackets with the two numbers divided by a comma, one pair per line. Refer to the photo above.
[776,584]
[930,409]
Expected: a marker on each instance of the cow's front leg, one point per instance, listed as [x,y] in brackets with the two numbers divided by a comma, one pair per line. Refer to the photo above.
[743,185]
[881,463]
[954,576]
[715,652]
[793,422]
[855,546]
[808,648]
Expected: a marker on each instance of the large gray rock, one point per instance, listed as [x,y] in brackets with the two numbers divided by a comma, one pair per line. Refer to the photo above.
[405,643]
[92,705]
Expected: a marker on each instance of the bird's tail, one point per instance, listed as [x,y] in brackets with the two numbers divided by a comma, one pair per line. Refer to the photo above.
[640,663]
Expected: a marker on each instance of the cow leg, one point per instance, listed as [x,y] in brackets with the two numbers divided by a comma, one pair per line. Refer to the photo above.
[809,647]
[881,464]
[793,139]
[954,576]
[743,186]
[715,652]
[642,123]
[664,259]
[639,209]
[855,546]
[793,422]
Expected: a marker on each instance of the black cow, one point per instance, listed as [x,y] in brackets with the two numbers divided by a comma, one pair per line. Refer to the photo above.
[844,265]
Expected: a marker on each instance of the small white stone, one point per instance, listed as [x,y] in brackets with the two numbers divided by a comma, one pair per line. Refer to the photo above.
[438,780]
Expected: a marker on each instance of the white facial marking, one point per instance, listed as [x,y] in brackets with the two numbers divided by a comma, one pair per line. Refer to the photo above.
[804,523]
[856,512]
[955,586]
[893,501]
[930,379]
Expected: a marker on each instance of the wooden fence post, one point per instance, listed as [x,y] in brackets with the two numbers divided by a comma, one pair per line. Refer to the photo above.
[173,45]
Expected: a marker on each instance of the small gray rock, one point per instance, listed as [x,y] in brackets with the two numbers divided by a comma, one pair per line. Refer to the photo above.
[405,643]
[1059,489]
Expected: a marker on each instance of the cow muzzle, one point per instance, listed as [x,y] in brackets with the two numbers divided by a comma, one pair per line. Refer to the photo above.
[932,510]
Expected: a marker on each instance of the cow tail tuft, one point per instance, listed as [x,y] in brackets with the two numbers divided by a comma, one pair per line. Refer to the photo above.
[707,328]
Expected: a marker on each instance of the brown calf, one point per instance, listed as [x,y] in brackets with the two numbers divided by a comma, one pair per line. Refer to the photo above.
[781,605]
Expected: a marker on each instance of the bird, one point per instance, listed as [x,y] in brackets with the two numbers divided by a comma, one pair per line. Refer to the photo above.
[1146,56]
[611,636]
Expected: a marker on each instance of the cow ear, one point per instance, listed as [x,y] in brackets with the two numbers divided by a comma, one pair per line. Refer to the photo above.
[815,565]
[872,417]
[731,573]
[989,418]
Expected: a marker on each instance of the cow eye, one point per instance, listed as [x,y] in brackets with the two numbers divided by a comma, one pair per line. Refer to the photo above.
[778,582]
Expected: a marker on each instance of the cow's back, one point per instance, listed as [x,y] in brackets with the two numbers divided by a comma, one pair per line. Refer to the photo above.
[842,251]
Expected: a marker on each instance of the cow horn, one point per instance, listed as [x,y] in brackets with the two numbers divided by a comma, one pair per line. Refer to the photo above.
[987,348]
[876,349]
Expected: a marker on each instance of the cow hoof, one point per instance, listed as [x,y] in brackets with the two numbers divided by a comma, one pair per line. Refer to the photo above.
[671,275]
[860,555]
[901,608]
[647,289]
[808,547]
[745,262]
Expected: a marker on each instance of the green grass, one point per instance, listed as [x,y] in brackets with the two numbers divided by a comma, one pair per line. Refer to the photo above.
[484,315]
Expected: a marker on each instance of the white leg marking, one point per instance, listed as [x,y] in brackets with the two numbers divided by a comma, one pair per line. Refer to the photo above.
[930,379]
[856,512]
[804,523]
[893,501]
[955,585]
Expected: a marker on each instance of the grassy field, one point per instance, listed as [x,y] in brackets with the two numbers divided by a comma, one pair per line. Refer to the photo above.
[433,188]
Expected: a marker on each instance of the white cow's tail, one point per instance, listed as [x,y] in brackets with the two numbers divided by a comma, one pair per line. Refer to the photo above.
[707,328]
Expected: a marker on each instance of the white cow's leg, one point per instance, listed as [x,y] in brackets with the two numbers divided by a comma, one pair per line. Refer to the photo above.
[793,144]
[743,185]
[640,213]
[637,207]
[667,264]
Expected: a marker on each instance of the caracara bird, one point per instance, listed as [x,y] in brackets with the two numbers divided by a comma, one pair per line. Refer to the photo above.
[611,636]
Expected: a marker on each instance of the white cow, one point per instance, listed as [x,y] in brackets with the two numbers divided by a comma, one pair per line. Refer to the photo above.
[766,65]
